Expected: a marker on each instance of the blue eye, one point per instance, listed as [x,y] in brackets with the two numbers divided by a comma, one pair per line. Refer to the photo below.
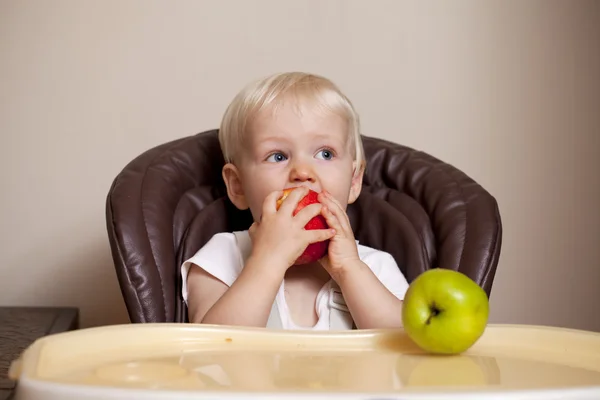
[276,157]
[325,154]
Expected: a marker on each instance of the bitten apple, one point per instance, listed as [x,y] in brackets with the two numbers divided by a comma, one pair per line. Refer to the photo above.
[444,311]
[313,251]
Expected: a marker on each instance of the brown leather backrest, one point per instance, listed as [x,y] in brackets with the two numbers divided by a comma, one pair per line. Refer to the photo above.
[171,199]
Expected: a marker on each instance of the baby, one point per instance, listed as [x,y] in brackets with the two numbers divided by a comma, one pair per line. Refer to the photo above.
[292,130]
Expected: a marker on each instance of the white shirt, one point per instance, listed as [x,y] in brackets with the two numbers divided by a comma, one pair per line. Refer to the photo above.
[224,255]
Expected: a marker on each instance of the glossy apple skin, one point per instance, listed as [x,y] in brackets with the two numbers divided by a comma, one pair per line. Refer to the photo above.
[444,311]
[314,251]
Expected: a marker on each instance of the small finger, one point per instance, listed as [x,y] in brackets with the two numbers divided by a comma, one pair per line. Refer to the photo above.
[336,209]
[331,219]
[252,229]
[308,213]
[329,198]
[291,201]
[319,235]
[270,202]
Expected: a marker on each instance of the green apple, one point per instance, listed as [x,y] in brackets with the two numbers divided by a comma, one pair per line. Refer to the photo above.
[444,311]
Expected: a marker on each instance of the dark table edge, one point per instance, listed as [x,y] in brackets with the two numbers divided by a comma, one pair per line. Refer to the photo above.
[66,320]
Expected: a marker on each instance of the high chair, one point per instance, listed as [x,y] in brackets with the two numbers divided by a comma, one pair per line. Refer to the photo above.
[170,200]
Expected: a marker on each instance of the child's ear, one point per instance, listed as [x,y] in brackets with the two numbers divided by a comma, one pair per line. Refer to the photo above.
[235,190]
[357,180]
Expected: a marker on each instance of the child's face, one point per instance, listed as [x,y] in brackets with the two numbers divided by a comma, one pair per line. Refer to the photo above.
[289,148]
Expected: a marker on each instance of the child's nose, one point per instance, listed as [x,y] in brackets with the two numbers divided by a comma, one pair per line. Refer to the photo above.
[302,172]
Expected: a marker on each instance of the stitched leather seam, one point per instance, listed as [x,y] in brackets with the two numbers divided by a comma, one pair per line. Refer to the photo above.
[129,287]
[494,255]
[142,204]
[440,166]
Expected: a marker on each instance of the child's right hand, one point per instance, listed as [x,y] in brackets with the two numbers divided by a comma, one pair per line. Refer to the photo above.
[279,238]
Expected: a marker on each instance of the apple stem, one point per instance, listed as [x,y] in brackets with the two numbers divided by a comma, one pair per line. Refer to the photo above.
[434,312]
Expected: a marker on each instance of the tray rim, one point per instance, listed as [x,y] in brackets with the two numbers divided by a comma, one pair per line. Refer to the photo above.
[21,372]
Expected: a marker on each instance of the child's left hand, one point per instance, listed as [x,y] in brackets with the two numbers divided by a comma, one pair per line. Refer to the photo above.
[342,247]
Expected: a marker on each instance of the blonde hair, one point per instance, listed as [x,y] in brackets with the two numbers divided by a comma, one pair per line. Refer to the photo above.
[270,91]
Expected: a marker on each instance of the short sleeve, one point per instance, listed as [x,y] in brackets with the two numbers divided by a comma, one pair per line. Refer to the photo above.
[385,268]
[220,257]
[391,276]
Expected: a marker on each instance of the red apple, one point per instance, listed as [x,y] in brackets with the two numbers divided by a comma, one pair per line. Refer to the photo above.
[313,251]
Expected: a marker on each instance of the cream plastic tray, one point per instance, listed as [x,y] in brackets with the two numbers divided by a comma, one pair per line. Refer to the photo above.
[184,361]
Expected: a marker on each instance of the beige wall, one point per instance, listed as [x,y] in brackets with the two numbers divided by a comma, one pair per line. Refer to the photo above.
[507,91]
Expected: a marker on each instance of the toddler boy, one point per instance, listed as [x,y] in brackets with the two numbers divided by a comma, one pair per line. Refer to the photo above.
[292,130]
